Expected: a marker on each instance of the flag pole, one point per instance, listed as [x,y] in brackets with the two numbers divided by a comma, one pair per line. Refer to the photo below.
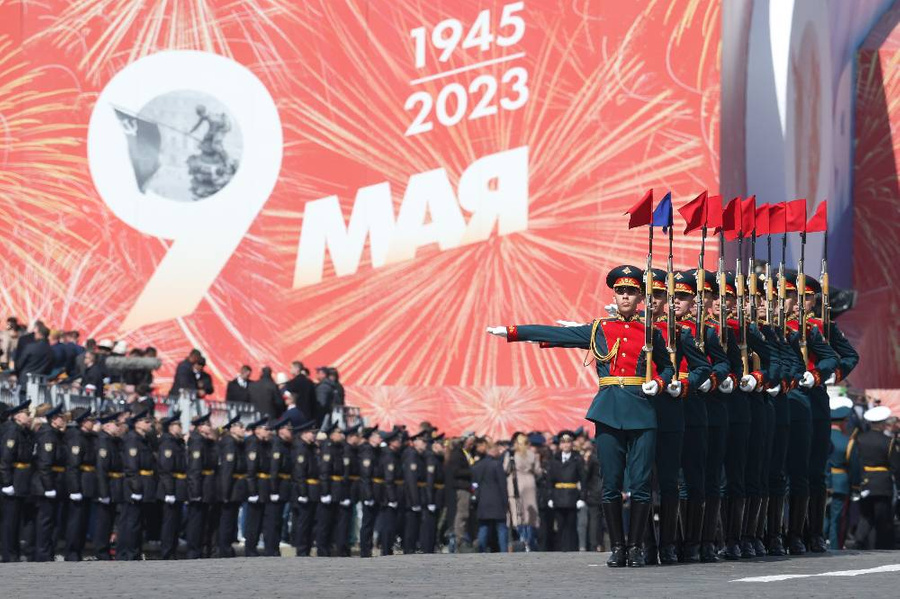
[701,291]
[671,329]
[648,312]
[739,293]
[826,304]
[801,294]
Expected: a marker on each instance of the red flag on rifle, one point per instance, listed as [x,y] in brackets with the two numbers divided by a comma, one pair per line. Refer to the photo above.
[819,221]
[748,215]
[641,213]
[714,213]
[762,220]
[795,216]
[731,219]
[694,213]
[777,223]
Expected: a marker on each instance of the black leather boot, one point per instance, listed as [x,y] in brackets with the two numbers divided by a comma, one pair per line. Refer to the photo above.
[708,530]
[651,547]
[758,544]
[640,514]
[774,522]
[668,524]
[751,513]
[817,522]
[732,550]
[693,527]
[612,512]
[796,520]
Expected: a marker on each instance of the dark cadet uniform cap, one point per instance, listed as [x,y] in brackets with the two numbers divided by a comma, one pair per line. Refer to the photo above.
[352,430]
[198,420]
[235,420]
[685,282]
[173,417]
[369,431]
[565,435]
[54,412]
[625,276]
[306,426]
[10,412]
[109,417]
[79,415]
[139,415]
[257,423]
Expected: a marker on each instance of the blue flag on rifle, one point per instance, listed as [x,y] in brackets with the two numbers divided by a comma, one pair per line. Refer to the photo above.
[662,214]
[143,146]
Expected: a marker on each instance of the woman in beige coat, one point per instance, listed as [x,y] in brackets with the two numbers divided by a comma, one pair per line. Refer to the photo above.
[522,467]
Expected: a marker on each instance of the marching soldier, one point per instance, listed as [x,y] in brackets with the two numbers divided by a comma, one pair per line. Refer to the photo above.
[340,491]
[203,508]
[140,486]
[567,480]
[820,365]
[305,476]
[413,463]
[15,476]
[81,480]
[280,468]
[232,475]
[173,485]
[258,449]
[880,458]
[48,483]
[110,482]
[626,421]
[843,475]
[371,487]
[390,467]
[352,440]
[331,488]
[820,410]
[434,492]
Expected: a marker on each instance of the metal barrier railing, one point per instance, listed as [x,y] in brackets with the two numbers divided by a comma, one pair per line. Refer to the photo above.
[39,391]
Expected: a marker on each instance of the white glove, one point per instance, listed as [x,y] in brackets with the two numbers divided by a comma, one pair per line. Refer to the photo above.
[774,390]
[369,502]
[568,323]
[550,504]
[808,380]
[303,499]
[726,386]
[431,507]
[170,499]
[104,500]
[392,505]
[706,386]
[864,494]
[498,331]
[136,496]
[831,380]
[76,496]
[8,490]
[345,503]
[674,388]
[579,504]
[274,498]
[50,494]
[195,499]
[416,508]
[748,383]
[650,388]
[326,499]
[253,498]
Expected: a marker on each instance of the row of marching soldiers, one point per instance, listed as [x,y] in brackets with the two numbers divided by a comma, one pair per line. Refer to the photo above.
[730,433]
[121,478]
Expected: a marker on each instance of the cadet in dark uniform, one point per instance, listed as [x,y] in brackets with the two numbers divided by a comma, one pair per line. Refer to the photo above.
[880,458]
[232,476]
[16,453]
[110,482]
[280,468]
[352,440]
[340,490]
[390,507]
[848,358]
[81,480]
[626,421]
[172,489]
[434,493]
[258,451]
[371,487]
[48,485]
[844,471]
[413,463]
[203,508]
[567,482]
[821,364]
[140,486]
[305,476]
[331,488]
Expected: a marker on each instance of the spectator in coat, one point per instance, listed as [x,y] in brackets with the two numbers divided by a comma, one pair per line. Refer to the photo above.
[489,482]
[459,472]
[303,389]
[238,388]
[9,338]
[523,467]
[265,396]
[204,381]
[184,374]
[37,357]
[325,394]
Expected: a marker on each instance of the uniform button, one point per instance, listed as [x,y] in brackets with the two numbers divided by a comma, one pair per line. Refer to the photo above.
[625,339]
[626,326]
[623,354]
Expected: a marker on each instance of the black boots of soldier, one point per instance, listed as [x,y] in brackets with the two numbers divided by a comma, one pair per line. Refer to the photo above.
[774,519]
[733,526]
[748,534]
[796,520]
[760,533]
[708,530]
[612,512]
[640,514]
[692,519]
[668,527]
[817,522]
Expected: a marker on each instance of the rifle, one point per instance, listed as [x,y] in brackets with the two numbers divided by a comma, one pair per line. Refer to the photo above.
[723,315]
[770,287]
[782,288]
[801,297]
[701,292]
[648,311]
[671,329]
[826,304]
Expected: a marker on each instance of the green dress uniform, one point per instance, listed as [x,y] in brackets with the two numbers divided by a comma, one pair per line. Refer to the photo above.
[844,472]
[625,418]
